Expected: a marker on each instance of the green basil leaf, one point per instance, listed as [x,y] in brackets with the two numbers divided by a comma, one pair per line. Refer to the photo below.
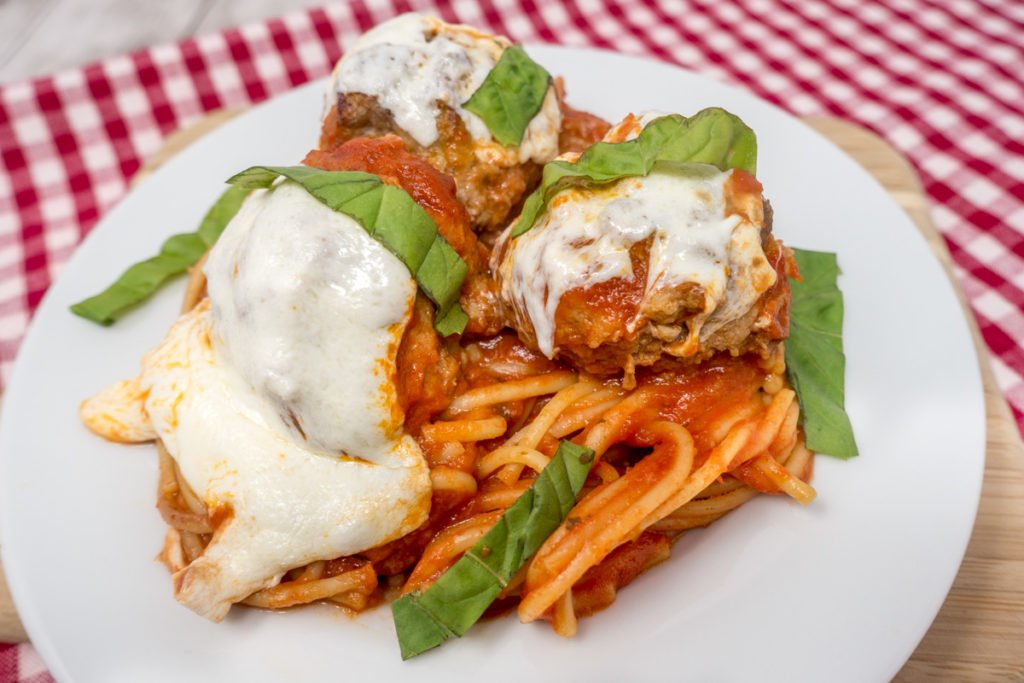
[510,96]
[815,363]
[390,216]
[443,271]
[176,255]
[452,322]
[220,214]
[424,620]
[711,136]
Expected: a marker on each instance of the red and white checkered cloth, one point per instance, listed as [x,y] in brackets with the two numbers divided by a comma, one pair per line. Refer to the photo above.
[940,79]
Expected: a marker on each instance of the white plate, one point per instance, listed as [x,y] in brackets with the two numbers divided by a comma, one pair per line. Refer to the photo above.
[842,590]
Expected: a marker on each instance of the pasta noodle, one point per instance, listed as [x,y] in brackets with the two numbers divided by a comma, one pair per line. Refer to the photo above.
[514,390]
[654,480]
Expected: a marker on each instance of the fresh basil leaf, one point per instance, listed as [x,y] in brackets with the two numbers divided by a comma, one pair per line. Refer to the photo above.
[176,255]
[442,273]
[392,218]
[220,214]
[510,96]
[711,136]
[424,620]
[452,322]
[815,363]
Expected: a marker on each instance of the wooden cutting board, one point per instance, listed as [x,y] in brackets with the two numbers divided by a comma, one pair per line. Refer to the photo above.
[979,633]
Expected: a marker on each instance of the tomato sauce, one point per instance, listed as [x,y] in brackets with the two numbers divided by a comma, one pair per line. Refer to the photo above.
[388,158]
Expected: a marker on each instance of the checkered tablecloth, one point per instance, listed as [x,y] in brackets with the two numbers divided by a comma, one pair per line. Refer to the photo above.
[939,79]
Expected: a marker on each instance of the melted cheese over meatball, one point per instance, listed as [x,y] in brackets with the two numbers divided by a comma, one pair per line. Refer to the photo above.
[584,238]
[276,399]
[310,309]
[413,62]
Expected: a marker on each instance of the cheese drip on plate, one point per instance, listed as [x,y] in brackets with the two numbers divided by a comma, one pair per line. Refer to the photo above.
[414,62]
[276,399]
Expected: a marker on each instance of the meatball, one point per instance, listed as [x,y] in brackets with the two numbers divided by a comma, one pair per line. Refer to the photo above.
[666,265]
[410,77]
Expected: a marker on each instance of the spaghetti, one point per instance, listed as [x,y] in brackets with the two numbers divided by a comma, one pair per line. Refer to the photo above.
[663,468]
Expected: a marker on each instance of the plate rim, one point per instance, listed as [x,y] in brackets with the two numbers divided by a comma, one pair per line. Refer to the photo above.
[37,631]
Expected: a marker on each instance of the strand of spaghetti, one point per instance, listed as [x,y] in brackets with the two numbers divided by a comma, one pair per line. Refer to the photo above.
[607,501]
[293,593]
[606,472]
[168,489]
[768,428]
[352,600]
[733,493]
[740,413]
[563,619]
[786,448]
[800,461]
[511,472]
[446,547]
[743,443]
[788,433]
[611,509]
[765,472]
[716,464]
[786,456]
[677,525]
[172,555]
[466,430]
[703,512]
[499,499]
[606,432]
[311,572]
[527,411]
[192,545]
[505,456]
[719,504]
[780,476]
[720,487]
[444,478]
[530,435]
[585,412]
[514,390]
[451,452]
[598,525]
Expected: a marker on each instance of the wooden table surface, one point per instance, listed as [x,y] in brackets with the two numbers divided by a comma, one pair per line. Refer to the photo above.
[979,633]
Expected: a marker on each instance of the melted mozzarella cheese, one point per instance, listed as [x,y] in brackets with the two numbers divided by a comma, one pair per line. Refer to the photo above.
[413,62]
[584,237]
[276,399]
[310,309]
[287,505]
[118,413]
